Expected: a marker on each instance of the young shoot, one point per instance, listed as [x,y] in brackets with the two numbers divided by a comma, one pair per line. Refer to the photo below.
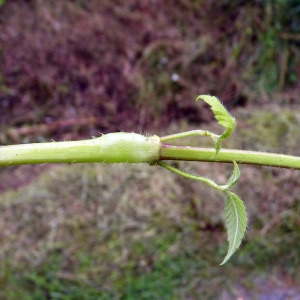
[235,212]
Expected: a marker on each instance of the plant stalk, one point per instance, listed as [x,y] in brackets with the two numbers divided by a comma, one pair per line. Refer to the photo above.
[185,153]
[118,147]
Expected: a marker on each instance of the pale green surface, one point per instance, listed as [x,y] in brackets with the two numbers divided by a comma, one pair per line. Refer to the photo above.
[115,147]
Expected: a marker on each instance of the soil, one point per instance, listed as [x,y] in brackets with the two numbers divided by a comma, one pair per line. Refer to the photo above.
[81,68]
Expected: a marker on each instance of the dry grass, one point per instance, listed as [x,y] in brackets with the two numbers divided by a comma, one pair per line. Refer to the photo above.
[127,231]
[106,64]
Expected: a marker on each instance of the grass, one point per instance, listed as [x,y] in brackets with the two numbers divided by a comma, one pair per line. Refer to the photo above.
[128,232]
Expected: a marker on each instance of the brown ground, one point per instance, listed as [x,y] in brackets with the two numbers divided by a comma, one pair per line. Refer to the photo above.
[82,68]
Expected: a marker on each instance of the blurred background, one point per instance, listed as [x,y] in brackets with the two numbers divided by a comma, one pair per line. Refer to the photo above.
[74,69]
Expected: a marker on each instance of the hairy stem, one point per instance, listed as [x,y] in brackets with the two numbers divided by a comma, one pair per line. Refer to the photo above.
[110,148]
[133,148]
[169,152]
[191,176]
[189,134]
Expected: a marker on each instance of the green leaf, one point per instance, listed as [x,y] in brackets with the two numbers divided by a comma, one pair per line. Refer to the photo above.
[221,114]
[233,178]
[223,117]
[236,223]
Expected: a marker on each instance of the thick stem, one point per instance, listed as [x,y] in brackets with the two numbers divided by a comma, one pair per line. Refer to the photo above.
[169,152]
[110,148]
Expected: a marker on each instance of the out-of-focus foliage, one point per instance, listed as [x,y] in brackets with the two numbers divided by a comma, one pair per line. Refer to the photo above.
[265,42]
[278,35]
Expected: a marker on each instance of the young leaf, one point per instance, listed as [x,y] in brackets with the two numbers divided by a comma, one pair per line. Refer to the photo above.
[233,178]
[223,117]
[236,223]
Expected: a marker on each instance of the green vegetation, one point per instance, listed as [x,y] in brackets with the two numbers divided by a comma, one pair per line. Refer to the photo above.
[277,52]
[272,35]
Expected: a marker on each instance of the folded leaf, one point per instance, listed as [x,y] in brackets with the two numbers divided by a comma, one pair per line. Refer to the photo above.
[223,117]
[234,176]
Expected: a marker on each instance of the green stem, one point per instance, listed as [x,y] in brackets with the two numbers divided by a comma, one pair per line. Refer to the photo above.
[169,152]
[116,147]
[133,148]
[189,134]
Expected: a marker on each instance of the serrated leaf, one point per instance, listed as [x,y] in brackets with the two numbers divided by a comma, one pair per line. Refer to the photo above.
[221,114]
[234,176]
[223,117]
[236,223]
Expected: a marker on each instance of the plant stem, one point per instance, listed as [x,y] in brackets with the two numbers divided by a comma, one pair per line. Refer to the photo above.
[116,147]
[170,152]
[133,148]
[189,134]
